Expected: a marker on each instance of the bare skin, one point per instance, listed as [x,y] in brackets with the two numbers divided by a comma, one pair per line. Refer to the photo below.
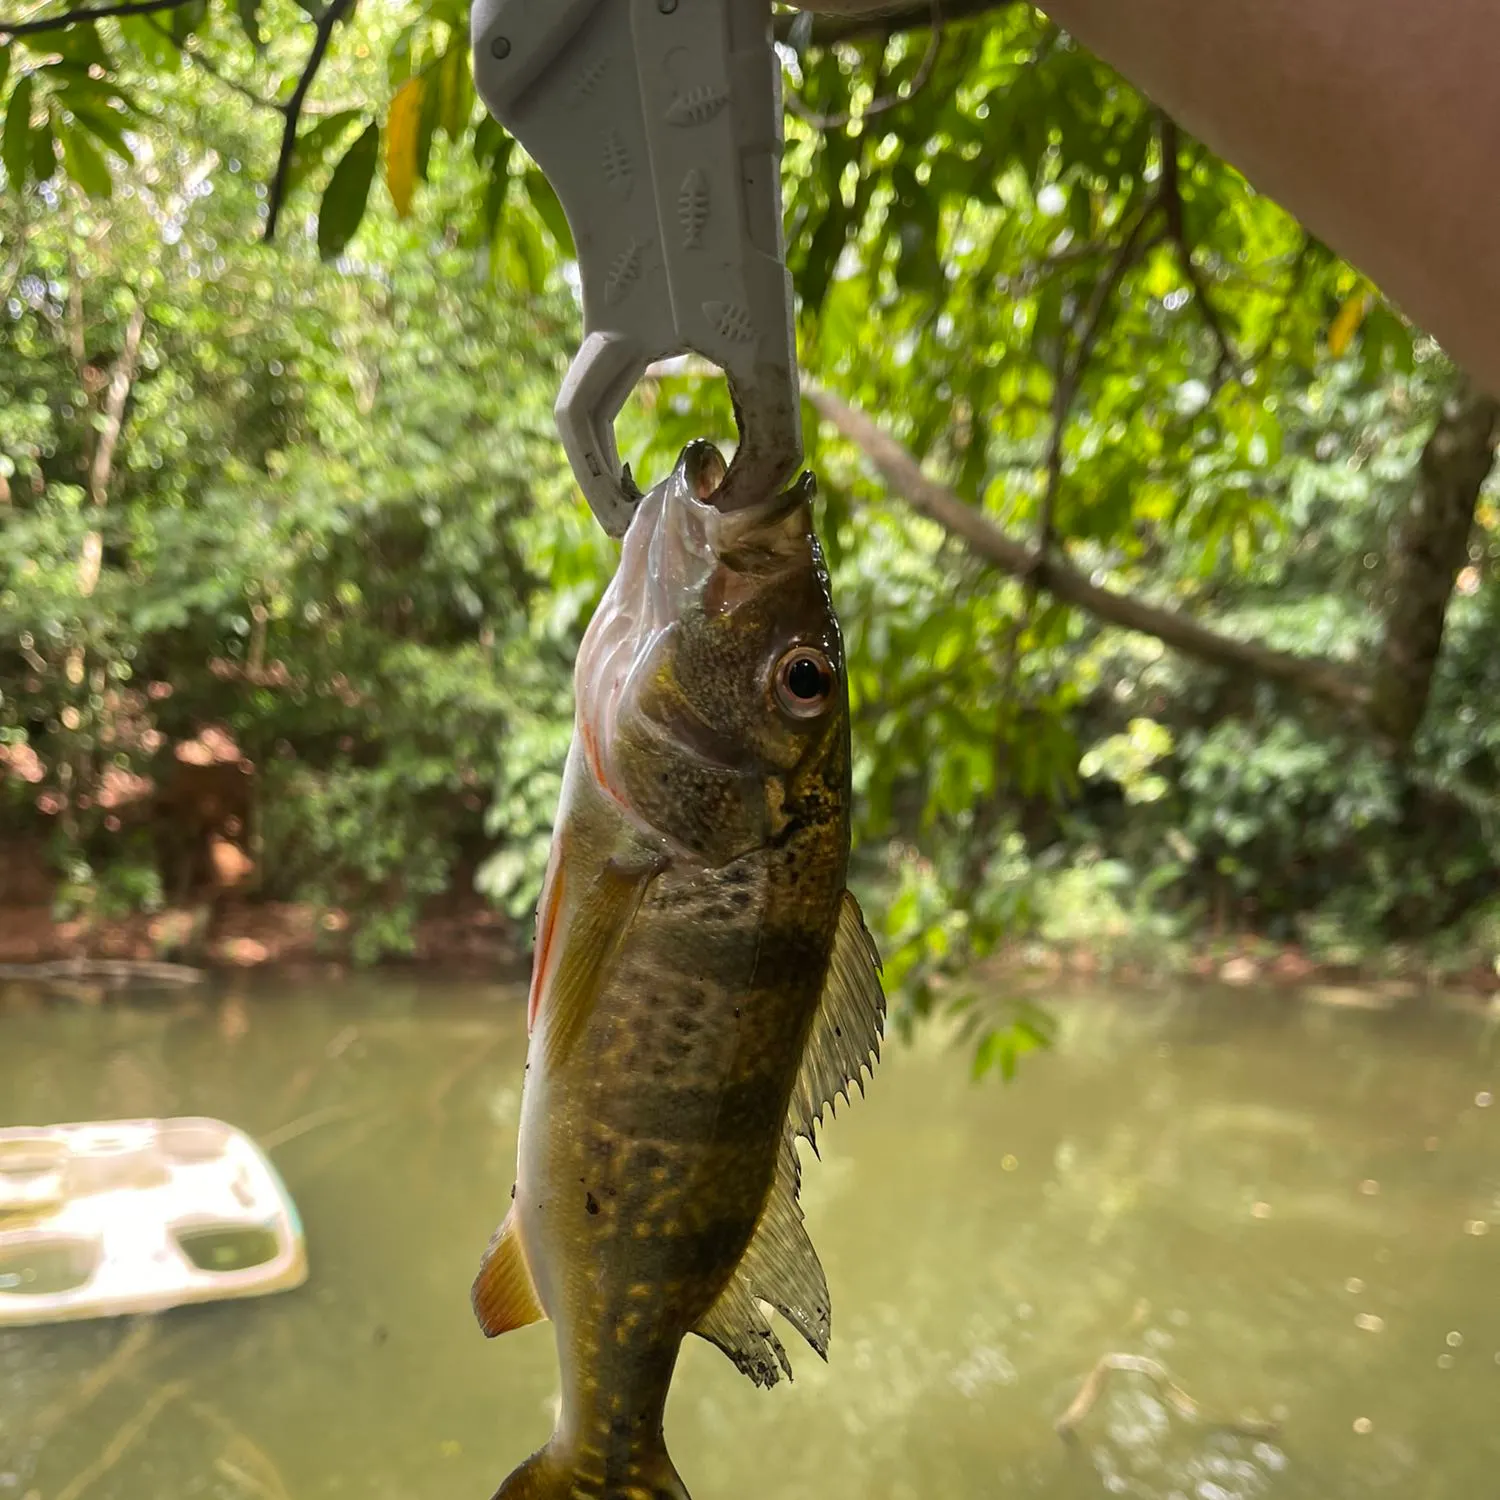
[1375,121]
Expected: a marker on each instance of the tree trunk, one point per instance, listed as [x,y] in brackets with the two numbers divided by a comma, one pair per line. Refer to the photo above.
[1429,545]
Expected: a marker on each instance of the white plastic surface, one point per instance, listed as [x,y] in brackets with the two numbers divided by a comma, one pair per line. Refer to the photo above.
[659,125]
[93,1218]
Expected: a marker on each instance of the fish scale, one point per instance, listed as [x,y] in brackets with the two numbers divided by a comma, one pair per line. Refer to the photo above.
[704,986]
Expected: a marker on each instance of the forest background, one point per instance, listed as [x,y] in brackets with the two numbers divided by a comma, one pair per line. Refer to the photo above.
[1168,553]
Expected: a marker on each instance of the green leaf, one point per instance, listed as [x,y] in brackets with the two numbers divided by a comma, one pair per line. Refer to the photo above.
[15,144]
[249,14]
[549,210]
[489,136]
[152,42]
[43,151]
[81,46]
[455,89]
[5,53]
[85,165]
[187,19]
[315,143]
[347,193]
[398,60]
[102,122]
[497,189]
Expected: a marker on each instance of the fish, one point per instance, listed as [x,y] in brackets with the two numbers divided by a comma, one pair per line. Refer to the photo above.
[704,986]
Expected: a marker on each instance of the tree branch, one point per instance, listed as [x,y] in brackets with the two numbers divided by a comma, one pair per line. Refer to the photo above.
[905,15]
[200,61]
[881,103]
[1320,679]
[101,13]
[121,380]
[1170,193]
[333,13]
[1071,368]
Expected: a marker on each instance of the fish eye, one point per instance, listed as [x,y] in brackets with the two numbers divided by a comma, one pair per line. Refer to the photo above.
[804,682]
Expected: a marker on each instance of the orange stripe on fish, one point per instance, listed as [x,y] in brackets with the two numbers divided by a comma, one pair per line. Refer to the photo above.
[546,929]
[589,739]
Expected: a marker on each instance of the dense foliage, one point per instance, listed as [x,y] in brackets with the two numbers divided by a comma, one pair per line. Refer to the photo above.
[334,523]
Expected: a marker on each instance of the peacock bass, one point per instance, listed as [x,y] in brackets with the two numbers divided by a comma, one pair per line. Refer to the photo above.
[703,987]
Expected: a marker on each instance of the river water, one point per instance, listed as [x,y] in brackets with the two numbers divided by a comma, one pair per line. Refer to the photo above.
[1294,1208]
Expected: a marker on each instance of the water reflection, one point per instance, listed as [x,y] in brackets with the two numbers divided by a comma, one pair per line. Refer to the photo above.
[1288,1207]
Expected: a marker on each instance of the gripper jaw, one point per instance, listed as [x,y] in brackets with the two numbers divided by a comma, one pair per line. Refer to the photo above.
[658,123]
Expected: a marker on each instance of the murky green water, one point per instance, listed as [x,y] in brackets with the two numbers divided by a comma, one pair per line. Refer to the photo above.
[1295,1209]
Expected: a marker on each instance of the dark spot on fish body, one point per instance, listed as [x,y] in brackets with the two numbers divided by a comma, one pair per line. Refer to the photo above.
[512,1192]
[649,1154]
[591,1203]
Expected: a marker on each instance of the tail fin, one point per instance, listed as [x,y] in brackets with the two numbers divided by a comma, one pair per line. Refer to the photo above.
[547,1476]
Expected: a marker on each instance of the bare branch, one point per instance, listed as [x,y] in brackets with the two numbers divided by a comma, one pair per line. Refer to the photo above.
[882,103]
[1320,679]
[73,17]
[829,31]
[333,13]
[200,61]
[1170,193]
[121,380]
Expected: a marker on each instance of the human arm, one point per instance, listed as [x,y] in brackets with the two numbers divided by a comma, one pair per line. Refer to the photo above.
[1375,121]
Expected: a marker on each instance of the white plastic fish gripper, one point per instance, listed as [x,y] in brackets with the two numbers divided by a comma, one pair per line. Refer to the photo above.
[659,125]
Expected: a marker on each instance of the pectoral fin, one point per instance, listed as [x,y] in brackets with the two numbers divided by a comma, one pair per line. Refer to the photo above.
[504,1295]
[846,1032]
[583,946]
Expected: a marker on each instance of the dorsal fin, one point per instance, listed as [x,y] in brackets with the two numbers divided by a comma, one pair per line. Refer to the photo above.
[780,1266]
[846,1032]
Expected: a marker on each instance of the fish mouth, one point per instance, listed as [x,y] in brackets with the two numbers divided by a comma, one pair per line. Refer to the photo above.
[676,545]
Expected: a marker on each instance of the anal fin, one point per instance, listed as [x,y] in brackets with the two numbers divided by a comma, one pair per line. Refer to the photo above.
[741,1329]
[779,1268]
[504,1295]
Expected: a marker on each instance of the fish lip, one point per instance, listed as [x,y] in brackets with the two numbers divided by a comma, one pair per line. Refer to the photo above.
[666,557]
